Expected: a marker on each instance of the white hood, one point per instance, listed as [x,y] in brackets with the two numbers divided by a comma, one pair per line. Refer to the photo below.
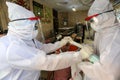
[105,19]
[22,28]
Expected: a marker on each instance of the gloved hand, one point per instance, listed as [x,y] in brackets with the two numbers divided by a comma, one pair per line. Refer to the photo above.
[86,51]
[65,40]
[93,58]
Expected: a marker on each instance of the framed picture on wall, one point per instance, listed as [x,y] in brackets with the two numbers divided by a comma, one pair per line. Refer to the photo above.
[44,12]
[38,9]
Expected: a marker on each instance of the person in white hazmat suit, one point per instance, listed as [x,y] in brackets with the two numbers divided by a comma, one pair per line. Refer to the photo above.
[22,56]
[106,44]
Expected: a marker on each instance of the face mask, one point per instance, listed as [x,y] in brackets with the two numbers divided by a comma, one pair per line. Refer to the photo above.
[35,33]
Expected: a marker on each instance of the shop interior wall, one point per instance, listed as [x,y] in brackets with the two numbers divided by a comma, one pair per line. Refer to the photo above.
[75,17]
[72,18]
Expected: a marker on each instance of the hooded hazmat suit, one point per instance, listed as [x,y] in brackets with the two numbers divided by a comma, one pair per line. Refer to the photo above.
[21,58]
[106,44]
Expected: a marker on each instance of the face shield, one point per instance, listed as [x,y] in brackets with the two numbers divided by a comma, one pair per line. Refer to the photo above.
[94,21]
[37,27]
[118,18]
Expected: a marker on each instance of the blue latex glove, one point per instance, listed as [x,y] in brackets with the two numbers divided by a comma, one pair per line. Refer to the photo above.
[93,58]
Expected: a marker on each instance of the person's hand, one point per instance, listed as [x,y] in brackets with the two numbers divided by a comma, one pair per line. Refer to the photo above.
[65,40]
[68,38]
[86,51]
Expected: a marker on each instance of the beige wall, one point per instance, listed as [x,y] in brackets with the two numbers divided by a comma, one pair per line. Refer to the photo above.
[78,16]
[72,17]
[3,15]
[47,28]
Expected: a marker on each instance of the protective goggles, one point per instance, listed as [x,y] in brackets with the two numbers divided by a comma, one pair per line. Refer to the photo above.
[31,18]
[95,15]
[36,25]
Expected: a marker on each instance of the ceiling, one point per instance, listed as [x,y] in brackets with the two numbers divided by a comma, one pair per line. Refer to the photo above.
[67,5]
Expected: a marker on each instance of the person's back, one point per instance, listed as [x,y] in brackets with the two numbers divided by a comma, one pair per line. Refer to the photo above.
[7,70]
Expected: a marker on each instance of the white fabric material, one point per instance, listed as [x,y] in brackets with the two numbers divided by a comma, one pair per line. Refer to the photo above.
[105,19]
[86,51]
[23,28]
[16,12]
[65,40]
[25,58]
[75,73]
[106,44]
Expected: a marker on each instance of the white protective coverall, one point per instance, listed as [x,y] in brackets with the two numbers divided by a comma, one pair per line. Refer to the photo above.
[106,44]
[20,57]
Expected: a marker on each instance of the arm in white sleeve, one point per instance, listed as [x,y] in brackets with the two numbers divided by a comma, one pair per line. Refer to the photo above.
[53,47]
[107,68]
[22,56]
[96,71]
[50,47]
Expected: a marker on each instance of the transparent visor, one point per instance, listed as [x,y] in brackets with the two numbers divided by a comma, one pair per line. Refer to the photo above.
[38,27]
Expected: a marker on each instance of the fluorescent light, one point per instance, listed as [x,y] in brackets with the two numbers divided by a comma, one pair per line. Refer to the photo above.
[73,8]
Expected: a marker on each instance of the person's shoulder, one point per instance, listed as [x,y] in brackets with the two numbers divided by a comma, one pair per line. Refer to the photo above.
[4,40]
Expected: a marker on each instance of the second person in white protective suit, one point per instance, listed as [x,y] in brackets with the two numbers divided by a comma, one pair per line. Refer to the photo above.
[22,56]
[106,44]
